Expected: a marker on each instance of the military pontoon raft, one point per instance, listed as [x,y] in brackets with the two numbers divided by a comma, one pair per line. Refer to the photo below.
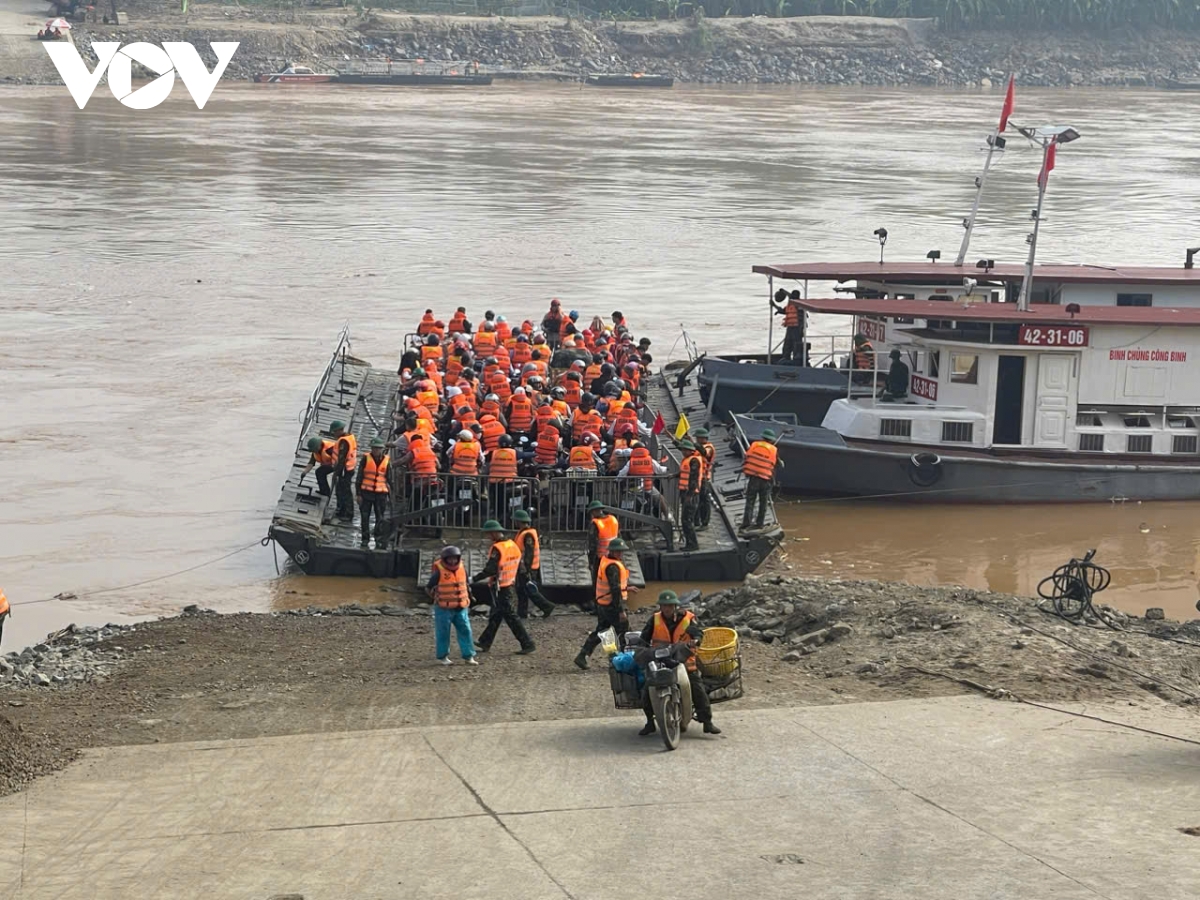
[425,516]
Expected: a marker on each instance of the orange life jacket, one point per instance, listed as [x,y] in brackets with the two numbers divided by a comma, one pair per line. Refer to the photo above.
[500,387]
[574,392]
[351,443]
[709,452]
[864,356]
[791,315]
[484,343]
[607,529]
[464,458]
[641,465]
[3,604]
[561,409]
[548,443]
[616,462]
[627,415]
[519,540]
[685,473]
[465,416]
[521,353]
[452,590]
[520,414]
[490,408]
[614,410]
[502,357]
[503,331]
[502,465]
[510,561]
[590,374]
[431,351]
[492,432]
[454,367]
[457,323]
[429,399]
[375,474]
[424,462]
[662,635]
[327,455]
[427,324]
[583,458]
[603,591]
[759,461]
[586,421]
[543,415]
[424,425]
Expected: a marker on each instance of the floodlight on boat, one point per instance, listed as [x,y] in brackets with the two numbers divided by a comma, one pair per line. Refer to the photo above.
[1053,134]
[881,234]
[933,255]
[986,264]
[1072,309]
[1190,263]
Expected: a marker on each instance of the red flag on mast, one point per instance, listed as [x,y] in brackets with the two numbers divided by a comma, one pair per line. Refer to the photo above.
[1009,102]
[659,425]
[1047,165]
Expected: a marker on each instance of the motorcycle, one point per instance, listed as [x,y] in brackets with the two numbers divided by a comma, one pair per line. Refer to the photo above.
[668,688]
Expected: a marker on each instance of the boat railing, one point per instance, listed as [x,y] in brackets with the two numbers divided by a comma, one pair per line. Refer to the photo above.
[340,354]
[462,502]
[641,504]
[384,65]
[824,349]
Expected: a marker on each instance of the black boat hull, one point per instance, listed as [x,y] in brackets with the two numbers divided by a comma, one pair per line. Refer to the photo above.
[415,79]
[753,387]
[818,461]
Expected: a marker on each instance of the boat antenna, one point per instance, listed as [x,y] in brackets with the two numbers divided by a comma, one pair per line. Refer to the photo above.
[995,142]
[1049,136]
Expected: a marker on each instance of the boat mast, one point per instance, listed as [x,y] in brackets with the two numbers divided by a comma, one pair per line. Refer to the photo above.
[770,315]
[995,142]
[1049,138]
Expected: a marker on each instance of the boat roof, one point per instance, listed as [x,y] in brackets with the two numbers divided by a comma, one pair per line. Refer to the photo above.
[1050,314]
[934,272]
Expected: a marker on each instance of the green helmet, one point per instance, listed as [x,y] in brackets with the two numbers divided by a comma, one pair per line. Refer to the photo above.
[617,544]
[768,434]
[686,445]
[337,425]
[520,515]
[378,443]
[595,504]
[314,444]
[701,432]
[492,525]
[668,598]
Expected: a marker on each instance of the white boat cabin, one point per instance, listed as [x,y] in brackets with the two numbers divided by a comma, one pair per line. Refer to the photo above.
[1095,379]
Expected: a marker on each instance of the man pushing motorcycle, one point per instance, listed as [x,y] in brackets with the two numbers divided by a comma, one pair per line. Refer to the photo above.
[669,626]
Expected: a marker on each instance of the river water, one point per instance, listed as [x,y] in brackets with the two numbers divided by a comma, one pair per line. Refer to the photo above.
[171,282]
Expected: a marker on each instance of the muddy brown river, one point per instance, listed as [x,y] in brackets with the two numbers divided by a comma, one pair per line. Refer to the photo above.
[171,282]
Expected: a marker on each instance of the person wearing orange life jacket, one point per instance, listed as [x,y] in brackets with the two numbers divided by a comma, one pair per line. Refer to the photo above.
[484,343]
[493,430]
[626,419]
[427,324]
[343,477]
[548,447]
[520,413]
[558,402]
[503,330]
[466,455]
[691,486]
[573,390]
[458,322]
[583,457]
[864,355]
[521,352]
[709,452]
[372,491]
[464,418]
[585,421]
[5,612]
[545,414]
[642,465]
[455,364]
[502,461]
[499,385]
[432,374]
[530,545]
[758,465]
[431,349]
[603,527]
[612,593]
[504,566]
[451,595]
[491,406]
[622,448]
[323,455]
[669,626]
[504,359]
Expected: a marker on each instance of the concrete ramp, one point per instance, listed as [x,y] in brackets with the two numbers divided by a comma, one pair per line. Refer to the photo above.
[941,799]
[21,55]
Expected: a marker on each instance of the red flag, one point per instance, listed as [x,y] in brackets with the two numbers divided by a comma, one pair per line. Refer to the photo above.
[1009,102]
[1047,166]
[659,425]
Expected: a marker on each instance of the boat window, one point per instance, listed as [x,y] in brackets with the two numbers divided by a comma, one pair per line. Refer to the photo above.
[964,368]
[1180,422]
[1047,294]
[1184,443]
[895,428]
[1087,420]
[1135,299]
[958,432]
[935,362]
[1137,422]
[1139,443]
[1091,443]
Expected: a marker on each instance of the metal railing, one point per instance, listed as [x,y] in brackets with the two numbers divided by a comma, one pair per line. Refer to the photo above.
[384,65]
[459,501]
[340,352]
[568,498]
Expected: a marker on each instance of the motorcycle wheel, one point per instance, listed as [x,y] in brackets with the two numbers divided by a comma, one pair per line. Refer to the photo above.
[666,710]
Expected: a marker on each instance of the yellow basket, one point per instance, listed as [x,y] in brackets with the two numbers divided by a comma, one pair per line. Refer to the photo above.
[717,653]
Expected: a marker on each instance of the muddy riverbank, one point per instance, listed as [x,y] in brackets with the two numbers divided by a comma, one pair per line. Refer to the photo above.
[202,676]
[803,50]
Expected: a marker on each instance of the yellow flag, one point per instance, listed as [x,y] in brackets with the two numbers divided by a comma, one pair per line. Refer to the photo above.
[681,429]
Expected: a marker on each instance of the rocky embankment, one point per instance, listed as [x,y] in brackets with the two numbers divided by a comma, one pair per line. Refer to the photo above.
[805,50]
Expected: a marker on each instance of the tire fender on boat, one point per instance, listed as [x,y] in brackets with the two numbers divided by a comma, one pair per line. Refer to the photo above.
[924,469]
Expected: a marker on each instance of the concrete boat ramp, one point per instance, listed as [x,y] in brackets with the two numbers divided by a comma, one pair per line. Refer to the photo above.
[946,799]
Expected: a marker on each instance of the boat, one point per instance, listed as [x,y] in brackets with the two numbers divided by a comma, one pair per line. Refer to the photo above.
[1172,84]
[295,75]
[630,80]
[1092,399]
[424,518]
[411,72]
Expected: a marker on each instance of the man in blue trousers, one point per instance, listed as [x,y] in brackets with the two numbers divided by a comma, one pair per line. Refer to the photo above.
[451,595]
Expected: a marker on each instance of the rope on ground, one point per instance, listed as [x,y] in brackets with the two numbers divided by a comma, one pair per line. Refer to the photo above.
[125,587]
[1070,588]
[1003,694]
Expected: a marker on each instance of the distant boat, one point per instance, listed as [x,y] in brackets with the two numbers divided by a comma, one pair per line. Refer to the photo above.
[1171,84]
[295,75]
[633,80]
[386,71]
